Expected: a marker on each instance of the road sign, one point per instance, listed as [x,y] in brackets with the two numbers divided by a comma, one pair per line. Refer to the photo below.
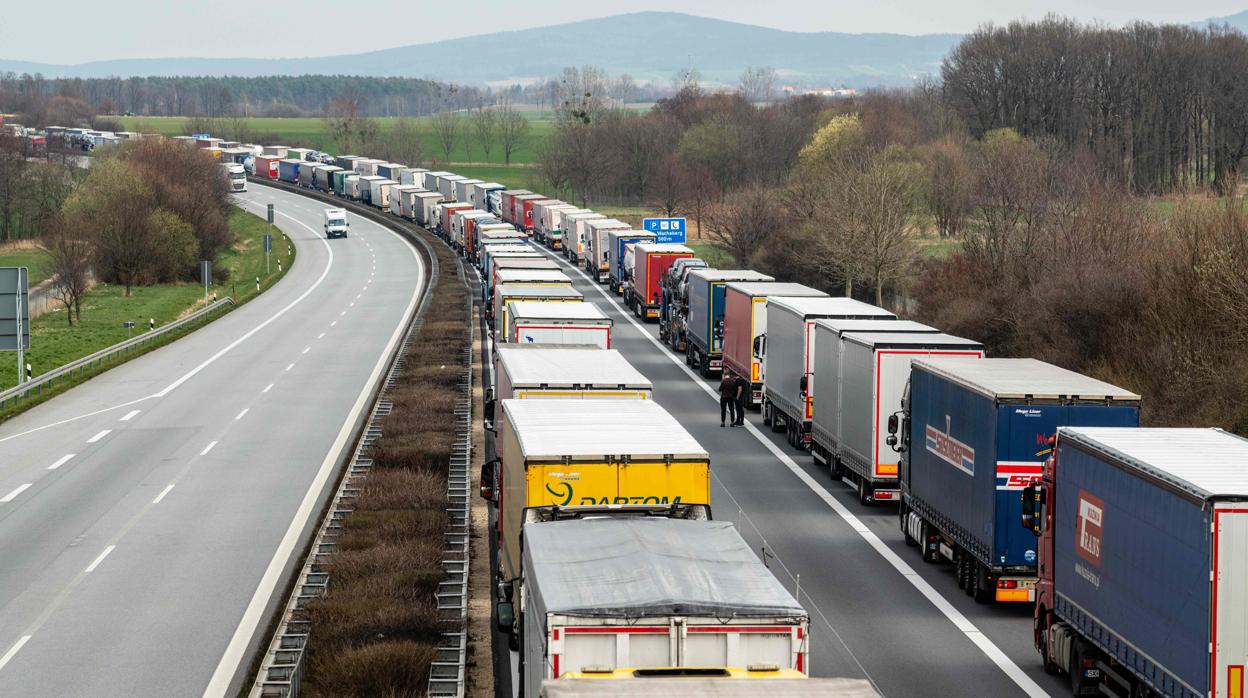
[665,229]
[270,214]
[14,309]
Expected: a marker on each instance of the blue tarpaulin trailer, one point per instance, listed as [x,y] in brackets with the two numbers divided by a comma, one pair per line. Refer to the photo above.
[705,328]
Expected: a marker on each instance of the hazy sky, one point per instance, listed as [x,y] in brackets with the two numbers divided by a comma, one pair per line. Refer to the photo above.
[74,31]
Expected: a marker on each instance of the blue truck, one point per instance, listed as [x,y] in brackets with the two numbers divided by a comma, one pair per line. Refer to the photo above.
[1143,544]
[704,330]
[617,243]
[978,434]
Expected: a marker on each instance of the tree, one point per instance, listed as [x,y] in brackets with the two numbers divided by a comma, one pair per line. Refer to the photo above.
[745,221]
[404,142]
[13,167]
[698,189]
[512,128]
[71,270]
[888,197]
[485,128]
[112,208]
[950,185]
[446,127]
[758,84]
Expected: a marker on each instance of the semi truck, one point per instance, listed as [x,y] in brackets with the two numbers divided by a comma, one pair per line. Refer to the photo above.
[236,176]
[570,372]
[594,233]
[745,325]
[539,208]
[653,593]
[495,250]
[481,195]
[706,289]
[1142,537]
[558,227]
[619,242]
[522,216]
[379,192]
[425,208]
[984,428]
[518,264]
[761,680]
[507,293]
[336,224]
[787,350]
[650,263]
[533,322]
[573,458]
[507,204]
[463,190]
[674,302]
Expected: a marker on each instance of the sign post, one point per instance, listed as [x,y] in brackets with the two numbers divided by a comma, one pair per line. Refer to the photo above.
[205,275]
[268,248]
[270,209]
[665,229]
[15,313]
[129,325]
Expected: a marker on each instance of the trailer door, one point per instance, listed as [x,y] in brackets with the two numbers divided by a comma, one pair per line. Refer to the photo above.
[742,645]
[1230,600]
[636,646]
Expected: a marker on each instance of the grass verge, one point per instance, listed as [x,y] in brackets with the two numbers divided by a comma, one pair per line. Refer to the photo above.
[55,343]
[27,253]
[375,630]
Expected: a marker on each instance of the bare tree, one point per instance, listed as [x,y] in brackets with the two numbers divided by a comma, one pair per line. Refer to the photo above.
[668,188]
[699,190]
[405,143]
[745,221]
[687,79]
[758,84]
[485,128]
[13,167]
[512,128]
[950,185]
[446,127]
[71,270]
[624,88]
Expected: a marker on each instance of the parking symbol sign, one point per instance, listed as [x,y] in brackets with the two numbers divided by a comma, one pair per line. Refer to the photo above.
[665,229]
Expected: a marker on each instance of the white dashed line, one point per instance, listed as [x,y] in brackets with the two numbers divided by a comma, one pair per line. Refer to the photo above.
[267,388]
[13,650]
[97,437]
[130,415]
[333,324]
[207,448]
[352,304]
[342,313]
[91,567]
[61,461]
[320,336]
[307,349]
[290,367]
[240,414]
[13,495]
[162,494]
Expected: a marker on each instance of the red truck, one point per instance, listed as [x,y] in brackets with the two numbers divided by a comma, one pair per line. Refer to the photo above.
[745,320]
[506,203]
[650,264]
[447,210]
[523,214]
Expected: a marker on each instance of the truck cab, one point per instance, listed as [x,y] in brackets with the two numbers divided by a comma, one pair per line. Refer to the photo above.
[237,176]
[336,224]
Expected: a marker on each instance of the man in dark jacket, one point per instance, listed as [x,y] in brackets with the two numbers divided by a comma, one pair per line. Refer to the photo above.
[743,396]
[727,399]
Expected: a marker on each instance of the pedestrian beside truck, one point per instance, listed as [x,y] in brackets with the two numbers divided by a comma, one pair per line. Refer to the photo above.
[727,400]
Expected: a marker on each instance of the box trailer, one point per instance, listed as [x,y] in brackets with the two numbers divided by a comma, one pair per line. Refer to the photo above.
[1143,538]
[618,243]
[463,190]
[788,350]
[347,162]
[413,176]
[563,372]
[298,153]
[538,207]
[974,435]
[338,179]
[651,262]
[366,187]
[425,208]
[288,171]
[594,235]
[390,170]
[505,294]
[745,327]
[446,185]
[480,195]
[379,192]
[531,322]
[653,593]
[502,234]
[307,173]
[557,227]
[277,151]
[351,187]
[705,291]
[517,263]
[522,216]
[562,457]
[465,226]
[544,222]
[507,204]
[574,243]
[445,209]
[322,177]
[498,249]
[759,680]
[367,167]
[431,179]
[825,424]
[267,165]
[408,201]
[457,232]
[398,193]
[874,374]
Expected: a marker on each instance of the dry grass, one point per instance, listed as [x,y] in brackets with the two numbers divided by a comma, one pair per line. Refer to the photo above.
[375,630]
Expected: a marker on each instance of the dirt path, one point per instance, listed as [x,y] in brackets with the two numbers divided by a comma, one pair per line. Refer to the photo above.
[480,669]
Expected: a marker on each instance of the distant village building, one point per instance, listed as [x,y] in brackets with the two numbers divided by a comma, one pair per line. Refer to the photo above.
[838,92]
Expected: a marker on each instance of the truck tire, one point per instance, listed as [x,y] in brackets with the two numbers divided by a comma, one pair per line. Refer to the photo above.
[837,468]
[929,556]
[1076,667]
[1042,641]
[981,592]
[902,515]
[963,571]
[766,410]
[777,421]
[865,492]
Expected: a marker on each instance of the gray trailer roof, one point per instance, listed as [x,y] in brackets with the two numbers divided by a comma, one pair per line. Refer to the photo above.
[1202,463]
[531,275]
[842,325]
[514,291]
[775,288]
[553,429]
[639,567]
[707,688]
[890,339]
[730,275]
[1022,379]
[565,366]
[536,310]
[828,307]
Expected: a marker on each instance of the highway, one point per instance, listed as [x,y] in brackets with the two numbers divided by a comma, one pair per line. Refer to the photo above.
[147,515]
[877,610]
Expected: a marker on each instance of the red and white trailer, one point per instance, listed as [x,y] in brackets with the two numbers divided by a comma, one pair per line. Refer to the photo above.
[531,322]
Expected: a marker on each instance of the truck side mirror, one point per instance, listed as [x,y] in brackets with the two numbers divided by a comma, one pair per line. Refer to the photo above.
[506,617]
[892,425]
[803,384]
[759,346]
[489,473]
[1033,509]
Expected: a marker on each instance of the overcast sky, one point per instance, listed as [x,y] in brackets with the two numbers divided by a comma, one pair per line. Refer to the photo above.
[75,31]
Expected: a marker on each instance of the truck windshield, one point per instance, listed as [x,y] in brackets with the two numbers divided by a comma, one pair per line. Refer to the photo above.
[238,175]
[337,221]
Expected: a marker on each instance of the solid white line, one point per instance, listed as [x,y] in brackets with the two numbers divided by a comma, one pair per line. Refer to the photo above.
[207,448]
[162,494]
[321,336]
[240,414]
[97,437]
[290,367]
[307,349]
[960,621]
[130,415]
[13,495]
[17,646]
[91,567]
[61,461]
[267,388]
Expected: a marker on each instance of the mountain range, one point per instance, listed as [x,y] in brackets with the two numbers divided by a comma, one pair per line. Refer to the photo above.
[646,45]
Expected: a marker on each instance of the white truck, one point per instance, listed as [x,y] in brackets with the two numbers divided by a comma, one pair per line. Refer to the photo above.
[532,322]
[237,176]
[568,372]
[336,224]
[602,594]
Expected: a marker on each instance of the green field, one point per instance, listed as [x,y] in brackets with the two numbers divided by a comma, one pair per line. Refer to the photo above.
[713,254]
[35,259]
[309,132]
[53,343]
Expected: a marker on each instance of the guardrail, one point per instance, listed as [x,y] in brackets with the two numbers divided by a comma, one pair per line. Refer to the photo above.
[77,368]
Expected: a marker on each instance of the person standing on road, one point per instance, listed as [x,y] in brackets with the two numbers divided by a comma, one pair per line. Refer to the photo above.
[743,392]
[727,400]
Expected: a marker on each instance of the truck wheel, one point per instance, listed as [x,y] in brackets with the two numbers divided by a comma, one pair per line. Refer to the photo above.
[981,591]
[929,556]
[866,493]
[961,570]
[766,414]
[777,420]
[837,469]
[1042,641]
[903,515]
[1076,667]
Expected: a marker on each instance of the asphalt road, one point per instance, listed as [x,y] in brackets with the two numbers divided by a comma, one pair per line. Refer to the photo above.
[877,610]
[147,515]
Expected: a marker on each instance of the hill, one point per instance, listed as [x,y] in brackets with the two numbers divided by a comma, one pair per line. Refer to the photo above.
[1236,21]
[647,45]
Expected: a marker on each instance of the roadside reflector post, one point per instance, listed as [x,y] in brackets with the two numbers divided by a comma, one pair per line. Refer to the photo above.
[257,283]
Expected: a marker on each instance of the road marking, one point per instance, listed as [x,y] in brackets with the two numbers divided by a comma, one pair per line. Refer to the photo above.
[13,495]
[320,336]
[307,349]
[91,567]
[61,461]
[351,305]
[162,494]
[960,621]
[207,448]
[267,388]
[342,313]
[240,414]
[97,437]
[254,616]
[17,646]
[332,324]
[130,415]
[290,367]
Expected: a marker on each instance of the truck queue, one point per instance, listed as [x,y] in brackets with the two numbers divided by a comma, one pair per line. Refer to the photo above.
[1036,483]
